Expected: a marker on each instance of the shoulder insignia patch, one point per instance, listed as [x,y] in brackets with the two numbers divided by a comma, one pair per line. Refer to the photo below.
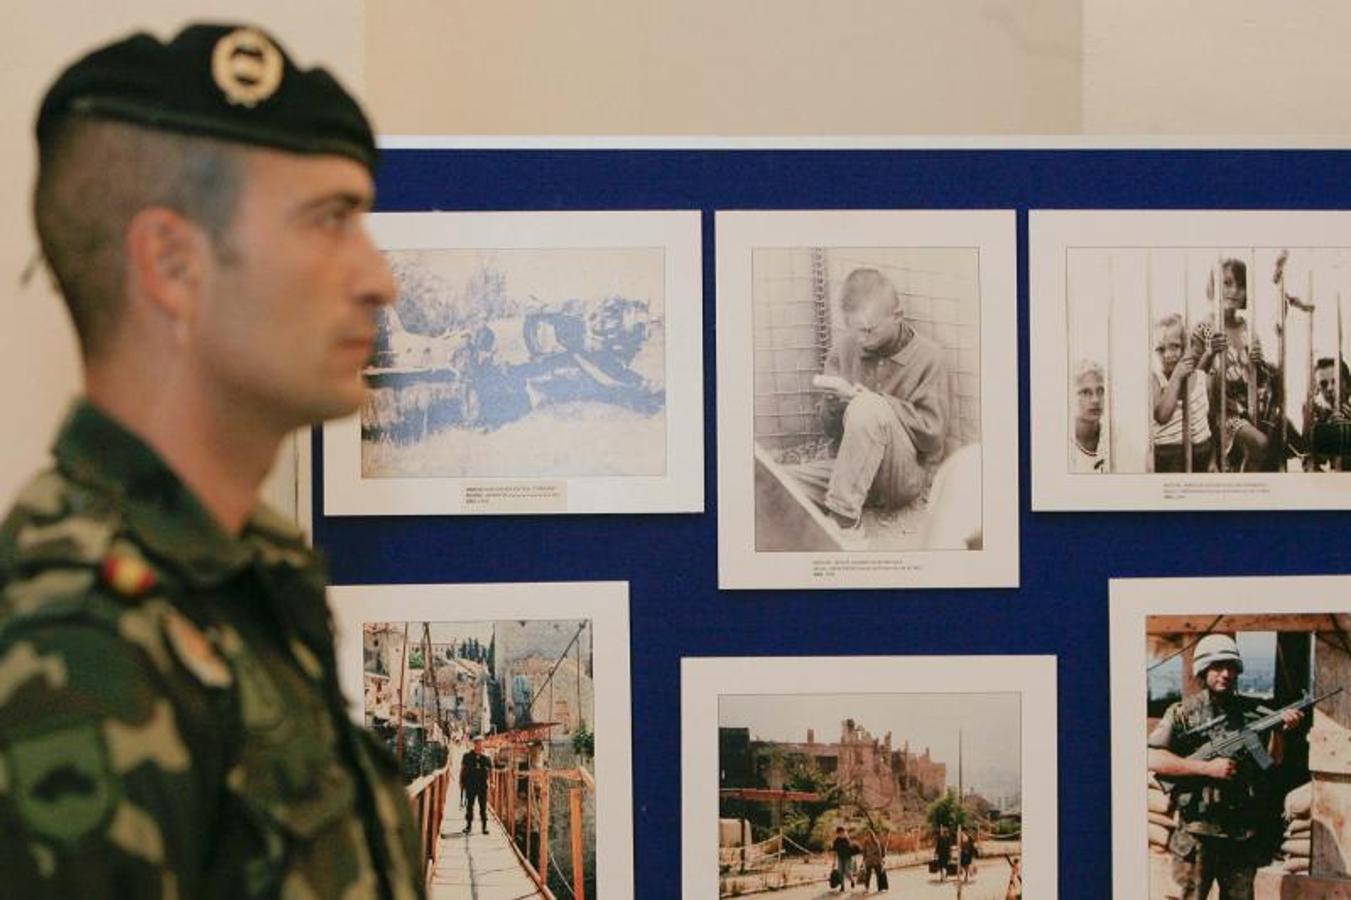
[196,652]
[61,784]
[129,576]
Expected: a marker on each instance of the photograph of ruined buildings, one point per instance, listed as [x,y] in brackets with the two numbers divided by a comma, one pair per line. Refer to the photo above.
[519,363]
[1304,799]
[920,774]
[525,688]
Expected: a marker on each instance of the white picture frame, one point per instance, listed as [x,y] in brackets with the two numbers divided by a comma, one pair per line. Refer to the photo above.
[704,680]
[605,604]
[1132,602]
[673,483]
[982,344]
[1132,256]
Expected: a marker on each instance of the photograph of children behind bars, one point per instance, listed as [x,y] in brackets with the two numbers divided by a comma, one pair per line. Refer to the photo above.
[1208,360]
[867,398]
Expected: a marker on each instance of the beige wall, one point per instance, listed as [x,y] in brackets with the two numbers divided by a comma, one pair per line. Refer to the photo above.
[793,67]
[1217,67]
[38,366]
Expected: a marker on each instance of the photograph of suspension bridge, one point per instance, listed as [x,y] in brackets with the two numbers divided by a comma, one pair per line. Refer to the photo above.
[919,794]
[445,696]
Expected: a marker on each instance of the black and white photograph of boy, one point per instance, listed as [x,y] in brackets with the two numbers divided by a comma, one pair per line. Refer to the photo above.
[867,382]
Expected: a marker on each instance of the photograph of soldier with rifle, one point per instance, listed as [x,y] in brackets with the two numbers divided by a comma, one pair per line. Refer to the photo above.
[1245,749]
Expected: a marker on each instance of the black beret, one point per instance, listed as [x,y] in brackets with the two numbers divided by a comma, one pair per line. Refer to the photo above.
[230,82]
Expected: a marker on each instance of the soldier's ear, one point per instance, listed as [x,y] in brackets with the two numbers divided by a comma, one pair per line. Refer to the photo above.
[166,254]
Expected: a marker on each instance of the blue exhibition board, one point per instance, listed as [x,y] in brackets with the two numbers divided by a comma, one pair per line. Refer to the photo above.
[670,561]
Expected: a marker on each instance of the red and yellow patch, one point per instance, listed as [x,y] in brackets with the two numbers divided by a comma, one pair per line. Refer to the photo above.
[129,576]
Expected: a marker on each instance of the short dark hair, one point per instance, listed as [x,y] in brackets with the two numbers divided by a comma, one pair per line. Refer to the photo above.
[866,282]
[1324,362]
[94,176]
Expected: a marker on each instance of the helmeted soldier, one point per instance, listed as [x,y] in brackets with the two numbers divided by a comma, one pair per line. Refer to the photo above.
[1219,806]
[170,718]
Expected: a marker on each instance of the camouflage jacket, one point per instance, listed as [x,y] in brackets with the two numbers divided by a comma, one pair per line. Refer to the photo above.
[170,720]
[1205,805]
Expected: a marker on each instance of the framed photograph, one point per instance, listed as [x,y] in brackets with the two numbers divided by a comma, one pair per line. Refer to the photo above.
[1231,736]
[1190,360]
[928,770]
[534,362]
[515,698]
[867,399]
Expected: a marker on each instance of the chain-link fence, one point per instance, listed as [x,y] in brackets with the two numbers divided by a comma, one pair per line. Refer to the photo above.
[796,311]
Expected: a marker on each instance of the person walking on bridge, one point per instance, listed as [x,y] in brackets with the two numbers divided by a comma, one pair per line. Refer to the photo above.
[475,767]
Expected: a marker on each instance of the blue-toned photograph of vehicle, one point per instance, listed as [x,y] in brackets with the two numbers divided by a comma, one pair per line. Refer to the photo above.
[519,363]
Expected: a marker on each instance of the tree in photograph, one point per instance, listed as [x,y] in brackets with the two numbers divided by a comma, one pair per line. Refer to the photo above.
[584,742]
[801,817]
[947,812]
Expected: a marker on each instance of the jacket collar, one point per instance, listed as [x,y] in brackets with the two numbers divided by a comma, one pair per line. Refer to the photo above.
[165,516]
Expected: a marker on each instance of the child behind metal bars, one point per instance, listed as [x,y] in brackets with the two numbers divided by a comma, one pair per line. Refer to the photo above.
[1178,360]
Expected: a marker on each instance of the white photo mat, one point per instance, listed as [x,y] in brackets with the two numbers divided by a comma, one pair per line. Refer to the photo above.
[991,234]
[1052,235]
[605,604]
[1132,601]
[704,680]
[679,489]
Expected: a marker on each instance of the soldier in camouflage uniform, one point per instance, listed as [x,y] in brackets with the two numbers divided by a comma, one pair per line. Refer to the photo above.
[1219,806]
[170,719]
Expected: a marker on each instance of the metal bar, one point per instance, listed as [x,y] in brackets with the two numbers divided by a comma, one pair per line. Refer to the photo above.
[1217,312]
[1149,362]
[1250,323]
[510,785]
[575,829]
[1337,372]
[1187,463]
[1104,440]
[1313,357]
[543,842]
[403,671]
[821,299]
[961,807]
[1283,353]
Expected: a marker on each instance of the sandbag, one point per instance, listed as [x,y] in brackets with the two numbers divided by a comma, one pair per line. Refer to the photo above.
[1296,865]
[1299,802]
[1299,826]
[1159,835]
[1158,801]
[1161,819]
[1297,847]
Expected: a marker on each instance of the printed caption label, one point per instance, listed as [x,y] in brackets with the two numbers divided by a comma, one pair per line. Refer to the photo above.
[516,497]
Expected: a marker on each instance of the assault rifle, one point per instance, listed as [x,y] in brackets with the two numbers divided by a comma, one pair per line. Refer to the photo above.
[1234,743]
